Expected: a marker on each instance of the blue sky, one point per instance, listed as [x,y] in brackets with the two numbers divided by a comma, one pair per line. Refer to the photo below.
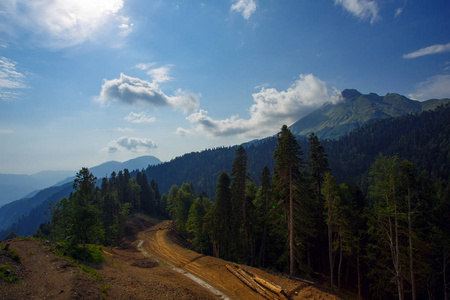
[84,82]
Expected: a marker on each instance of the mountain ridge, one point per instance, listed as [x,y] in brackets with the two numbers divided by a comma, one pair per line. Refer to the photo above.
[333,120]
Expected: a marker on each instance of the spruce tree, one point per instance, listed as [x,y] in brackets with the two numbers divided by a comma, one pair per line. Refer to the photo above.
[286,176]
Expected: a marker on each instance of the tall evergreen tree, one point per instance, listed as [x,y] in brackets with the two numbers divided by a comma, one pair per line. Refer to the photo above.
[239,218]
[318,166]
[84,218]
[221,217]
[286,180]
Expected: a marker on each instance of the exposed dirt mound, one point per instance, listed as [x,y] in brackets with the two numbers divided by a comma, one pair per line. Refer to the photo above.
[43,275]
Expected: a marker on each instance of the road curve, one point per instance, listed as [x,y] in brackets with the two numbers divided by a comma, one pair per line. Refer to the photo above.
[213,271]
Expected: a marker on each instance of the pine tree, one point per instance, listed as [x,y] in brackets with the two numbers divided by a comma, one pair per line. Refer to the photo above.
[286,180]
[84,219]
[239,204]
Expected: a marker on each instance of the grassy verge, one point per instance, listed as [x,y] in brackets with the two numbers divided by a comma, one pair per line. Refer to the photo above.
[92,254]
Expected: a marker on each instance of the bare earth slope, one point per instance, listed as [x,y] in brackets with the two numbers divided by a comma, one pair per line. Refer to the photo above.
[133,274]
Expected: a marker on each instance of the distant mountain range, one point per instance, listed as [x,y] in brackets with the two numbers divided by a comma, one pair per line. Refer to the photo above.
[17,186]
[331,121]
[11,212]
[105,169]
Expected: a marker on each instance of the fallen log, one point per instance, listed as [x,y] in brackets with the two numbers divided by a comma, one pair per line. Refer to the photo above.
[252,281]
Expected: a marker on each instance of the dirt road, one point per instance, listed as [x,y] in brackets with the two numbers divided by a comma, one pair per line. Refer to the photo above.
[161,244]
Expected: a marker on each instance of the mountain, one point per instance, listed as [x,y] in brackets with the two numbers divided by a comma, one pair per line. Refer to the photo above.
[332,121]
[17,186]
[105,169]
[33,207]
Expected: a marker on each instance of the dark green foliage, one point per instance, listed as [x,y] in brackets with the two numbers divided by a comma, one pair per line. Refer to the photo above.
[97,215]
[15,256]
[195,226]
[239,205]
[422,139]
[7,274]
[287,179]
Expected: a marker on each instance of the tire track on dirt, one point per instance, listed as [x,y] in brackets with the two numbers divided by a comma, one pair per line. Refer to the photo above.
[201,282]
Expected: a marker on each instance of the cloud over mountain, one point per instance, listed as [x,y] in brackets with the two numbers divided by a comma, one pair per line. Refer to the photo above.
[271,109]
[135,91]
[436,87]
[132,144]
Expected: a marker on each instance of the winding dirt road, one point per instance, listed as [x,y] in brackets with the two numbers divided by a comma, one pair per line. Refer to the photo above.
[159,243]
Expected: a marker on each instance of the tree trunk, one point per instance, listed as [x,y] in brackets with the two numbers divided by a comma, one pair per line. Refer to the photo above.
[340,259]
[358,270]
[445,274]
[291,226]
[411,264]
[330,246]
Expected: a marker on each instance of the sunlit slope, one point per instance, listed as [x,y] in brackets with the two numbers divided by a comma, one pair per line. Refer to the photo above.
[332,121]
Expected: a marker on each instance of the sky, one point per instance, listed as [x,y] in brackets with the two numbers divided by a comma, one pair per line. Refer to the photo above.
[83,82]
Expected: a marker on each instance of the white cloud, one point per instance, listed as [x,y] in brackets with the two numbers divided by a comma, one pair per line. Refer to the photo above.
[271,109]
[63,23]
[435,87]
[434,49]
[158,75]
[132,144]
[10,79]
[245,7]
[125,129]
[144,66]
[398,12]
[182,131]
[139,118]
[362,9]
[135,91]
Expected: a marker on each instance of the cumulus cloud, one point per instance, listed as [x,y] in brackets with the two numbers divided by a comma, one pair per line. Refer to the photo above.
[63,23]
[133,144]
[135,91]
[435,87]
[139,118]
[362,9]
[271,109]
[11,80]
[244,7]
[434,49]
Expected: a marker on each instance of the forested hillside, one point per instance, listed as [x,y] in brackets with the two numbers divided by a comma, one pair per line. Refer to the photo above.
[334,120]
[421,138]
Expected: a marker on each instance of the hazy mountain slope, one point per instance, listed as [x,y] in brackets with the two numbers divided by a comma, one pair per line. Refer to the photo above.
[16,186]
[332,121]
[105,169]
[35,206]
[11,212]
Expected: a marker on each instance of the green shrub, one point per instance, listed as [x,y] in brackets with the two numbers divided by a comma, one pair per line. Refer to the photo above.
[7,274]
[15,255]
